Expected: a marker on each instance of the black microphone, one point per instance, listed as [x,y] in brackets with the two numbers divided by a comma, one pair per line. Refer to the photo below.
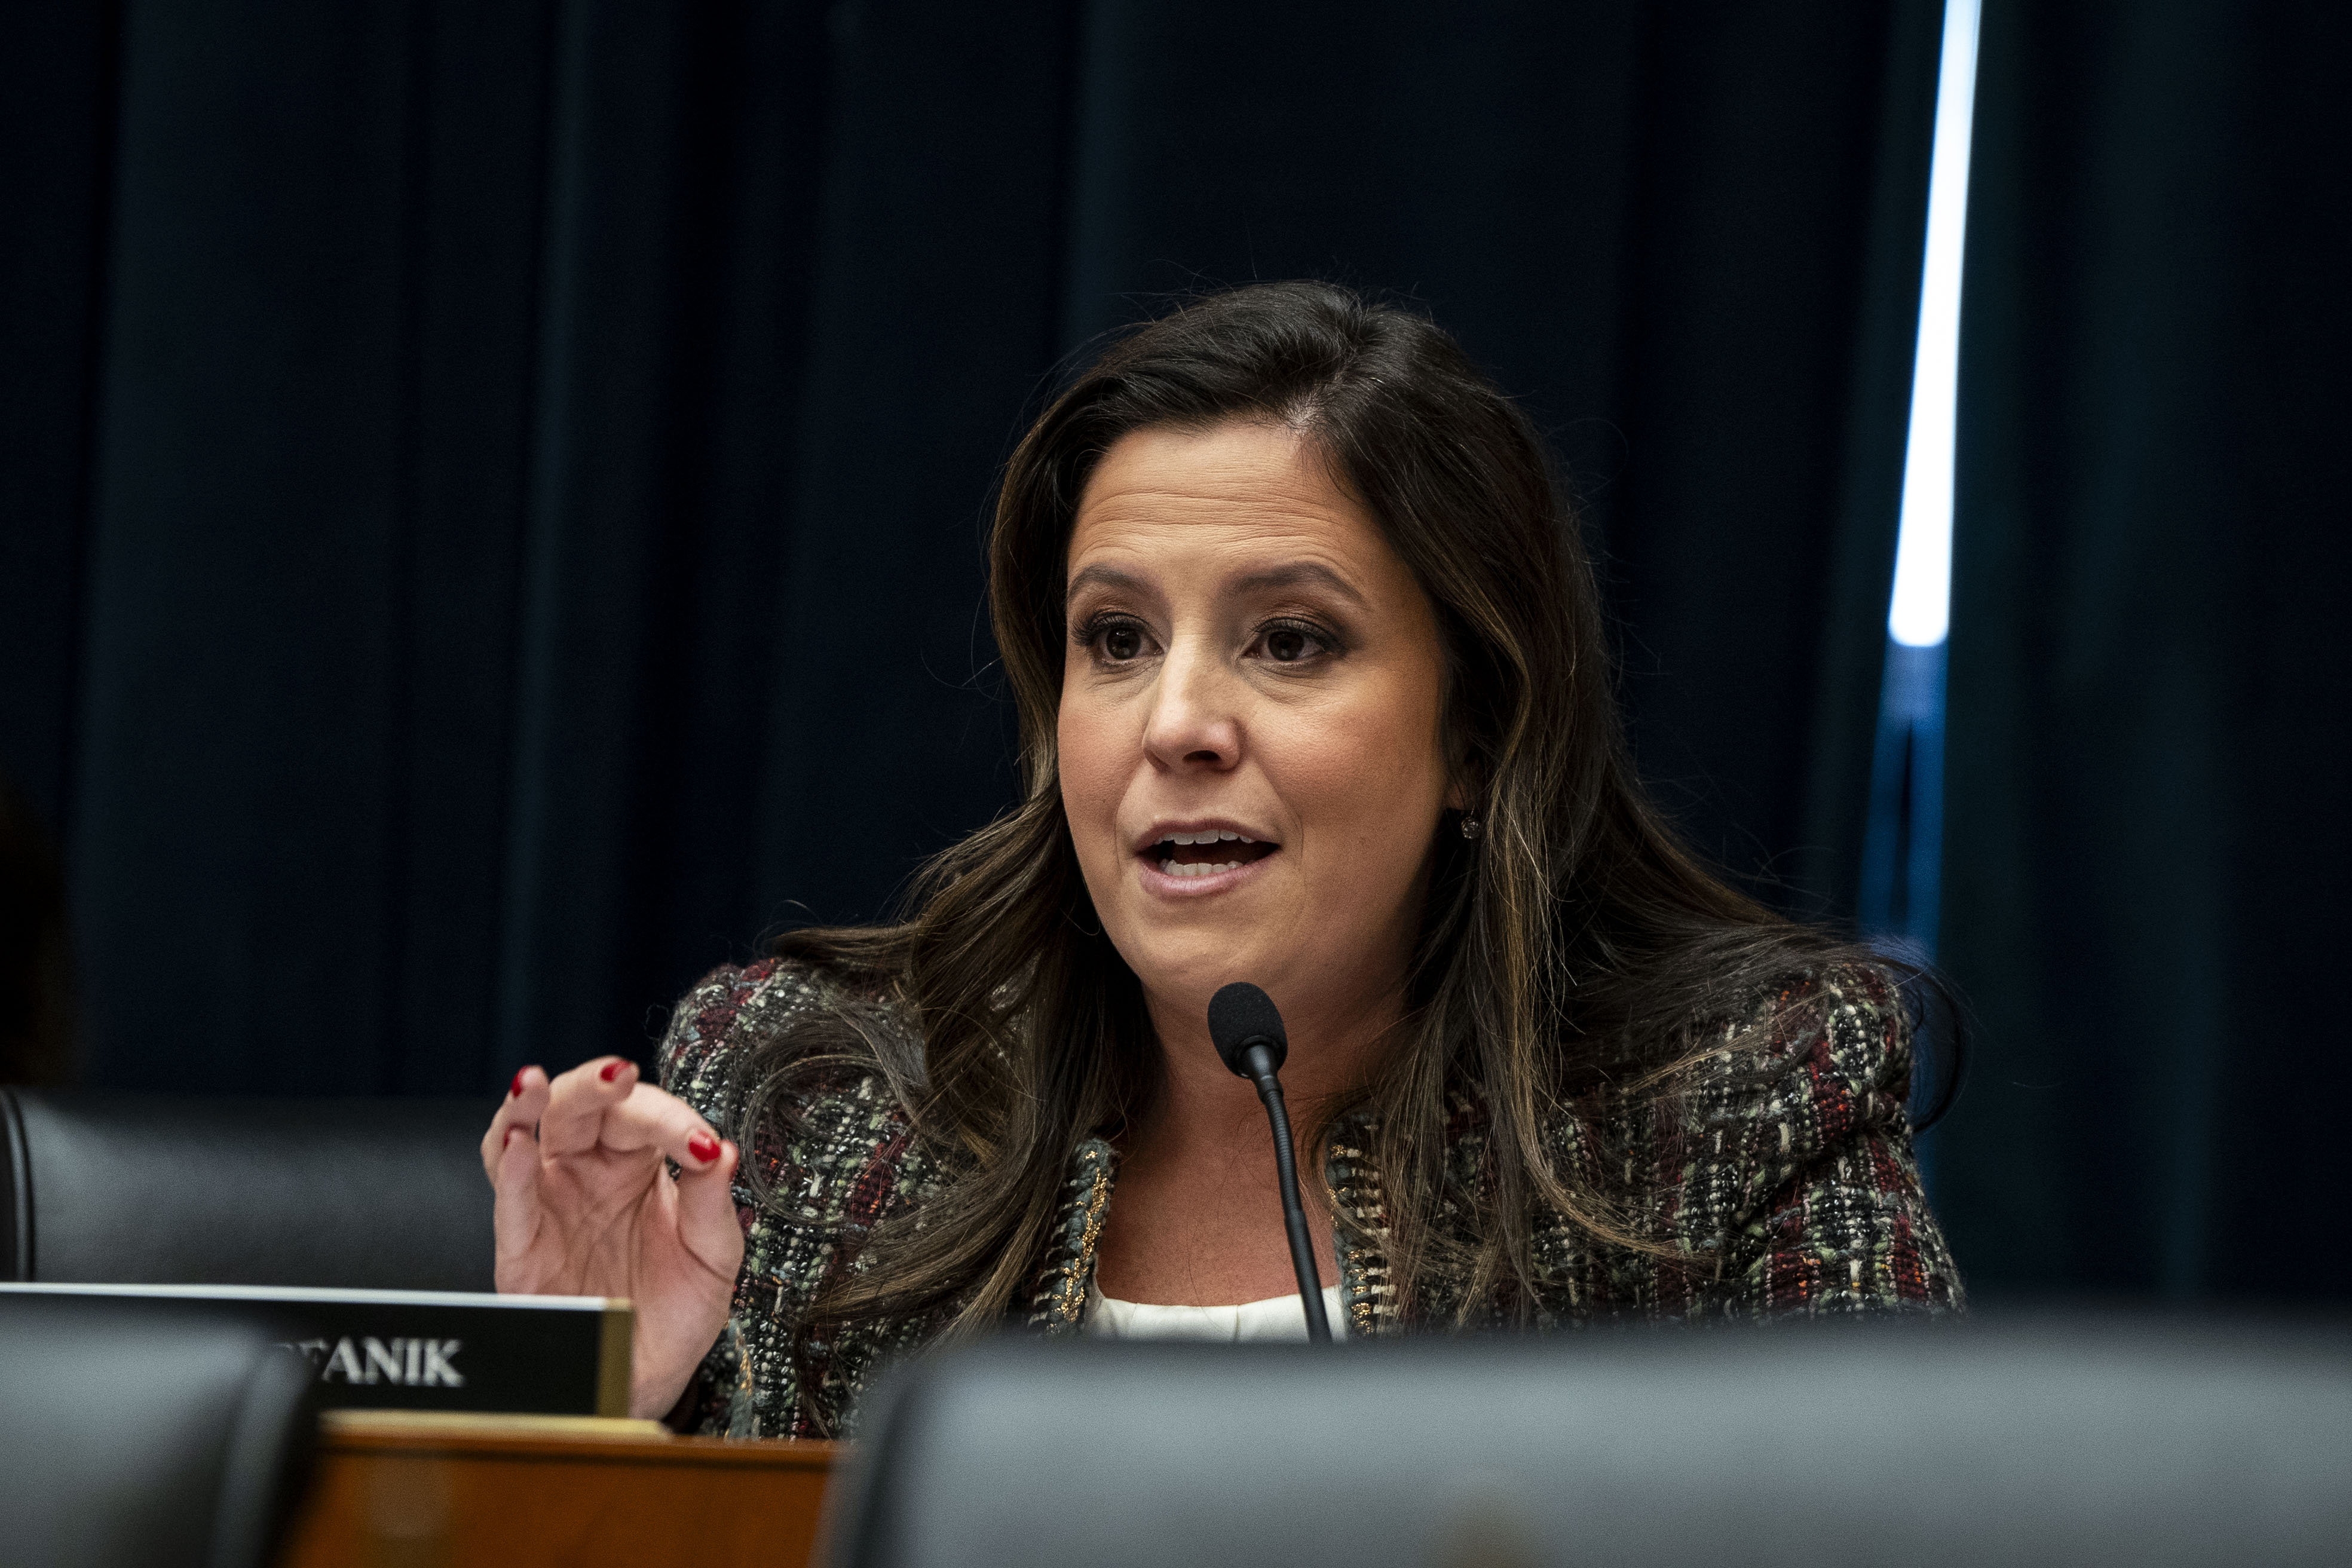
[1250,1039]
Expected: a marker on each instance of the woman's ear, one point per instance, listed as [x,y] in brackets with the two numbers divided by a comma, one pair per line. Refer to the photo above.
[1465,778]
[1463,784]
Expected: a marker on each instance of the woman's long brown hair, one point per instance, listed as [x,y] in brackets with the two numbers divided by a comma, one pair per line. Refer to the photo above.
[1574,948]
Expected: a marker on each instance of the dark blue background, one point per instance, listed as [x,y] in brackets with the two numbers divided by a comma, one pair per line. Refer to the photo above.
[494,495]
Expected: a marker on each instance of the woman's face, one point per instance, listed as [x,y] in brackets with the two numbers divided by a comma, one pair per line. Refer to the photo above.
[1251,760]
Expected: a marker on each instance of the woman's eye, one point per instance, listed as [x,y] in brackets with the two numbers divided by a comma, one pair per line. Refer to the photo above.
[1294,645]
[1119,642]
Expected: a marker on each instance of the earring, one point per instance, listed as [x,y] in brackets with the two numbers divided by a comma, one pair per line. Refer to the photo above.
[1471,825]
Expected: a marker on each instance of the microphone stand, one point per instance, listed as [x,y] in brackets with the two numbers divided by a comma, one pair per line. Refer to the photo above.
[1258,1059]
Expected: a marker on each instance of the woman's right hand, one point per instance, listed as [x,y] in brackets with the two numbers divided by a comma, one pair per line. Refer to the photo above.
[587,1207]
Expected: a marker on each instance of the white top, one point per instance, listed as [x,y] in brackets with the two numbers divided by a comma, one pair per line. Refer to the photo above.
[1276,1318]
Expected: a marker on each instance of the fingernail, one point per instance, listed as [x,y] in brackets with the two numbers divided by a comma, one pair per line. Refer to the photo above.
[516,1088]
[611,1070]
[703,1147]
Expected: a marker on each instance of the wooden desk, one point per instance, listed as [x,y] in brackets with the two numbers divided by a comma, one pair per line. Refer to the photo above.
[401,1489]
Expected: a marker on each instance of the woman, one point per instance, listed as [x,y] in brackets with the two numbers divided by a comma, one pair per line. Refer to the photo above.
[1313,693]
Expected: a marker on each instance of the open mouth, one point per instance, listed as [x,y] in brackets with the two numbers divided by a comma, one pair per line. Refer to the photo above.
[1207,852]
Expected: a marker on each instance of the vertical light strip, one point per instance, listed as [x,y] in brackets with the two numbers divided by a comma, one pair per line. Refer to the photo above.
[1921,612]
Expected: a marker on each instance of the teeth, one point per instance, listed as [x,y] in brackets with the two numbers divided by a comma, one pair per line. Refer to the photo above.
[1174,868]
[1208,836]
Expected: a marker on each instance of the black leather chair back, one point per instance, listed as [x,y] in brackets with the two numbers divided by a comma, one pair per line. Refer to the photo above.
[383,1195]
[2072,1443]
[132,1441]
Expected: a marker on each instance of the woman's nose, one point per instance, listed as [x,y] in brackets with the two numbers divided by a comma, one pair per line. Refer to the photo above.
[1192,722]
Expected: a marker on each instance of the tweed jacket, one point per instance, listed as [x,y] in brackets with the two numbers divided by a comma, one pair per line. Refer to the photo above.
[1784,1170]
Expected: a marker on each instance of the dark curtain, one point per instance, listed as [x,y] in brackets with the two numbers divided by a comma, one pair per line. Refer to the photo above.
[2147,841]
[496,488]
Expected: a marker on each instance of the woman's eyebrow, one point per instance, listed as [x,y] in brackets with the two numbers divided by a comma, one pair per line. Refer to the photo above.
[1290,575]
[1295,574]
[1103,577]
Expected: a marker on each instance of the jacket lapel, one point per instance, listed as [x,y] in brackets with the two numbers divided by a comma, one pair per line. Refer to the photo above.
[1367,1294]
[1057,1297]
[1057,1300]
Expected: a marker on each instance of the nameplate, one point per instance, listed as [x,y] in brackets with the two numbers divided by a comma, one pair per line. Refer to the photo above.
[419,1350]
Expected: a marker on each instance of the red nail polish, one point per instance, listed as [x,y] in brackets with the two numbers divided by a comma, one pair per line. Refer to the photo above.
[516,1088]
[703,1147]
[611,1070]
